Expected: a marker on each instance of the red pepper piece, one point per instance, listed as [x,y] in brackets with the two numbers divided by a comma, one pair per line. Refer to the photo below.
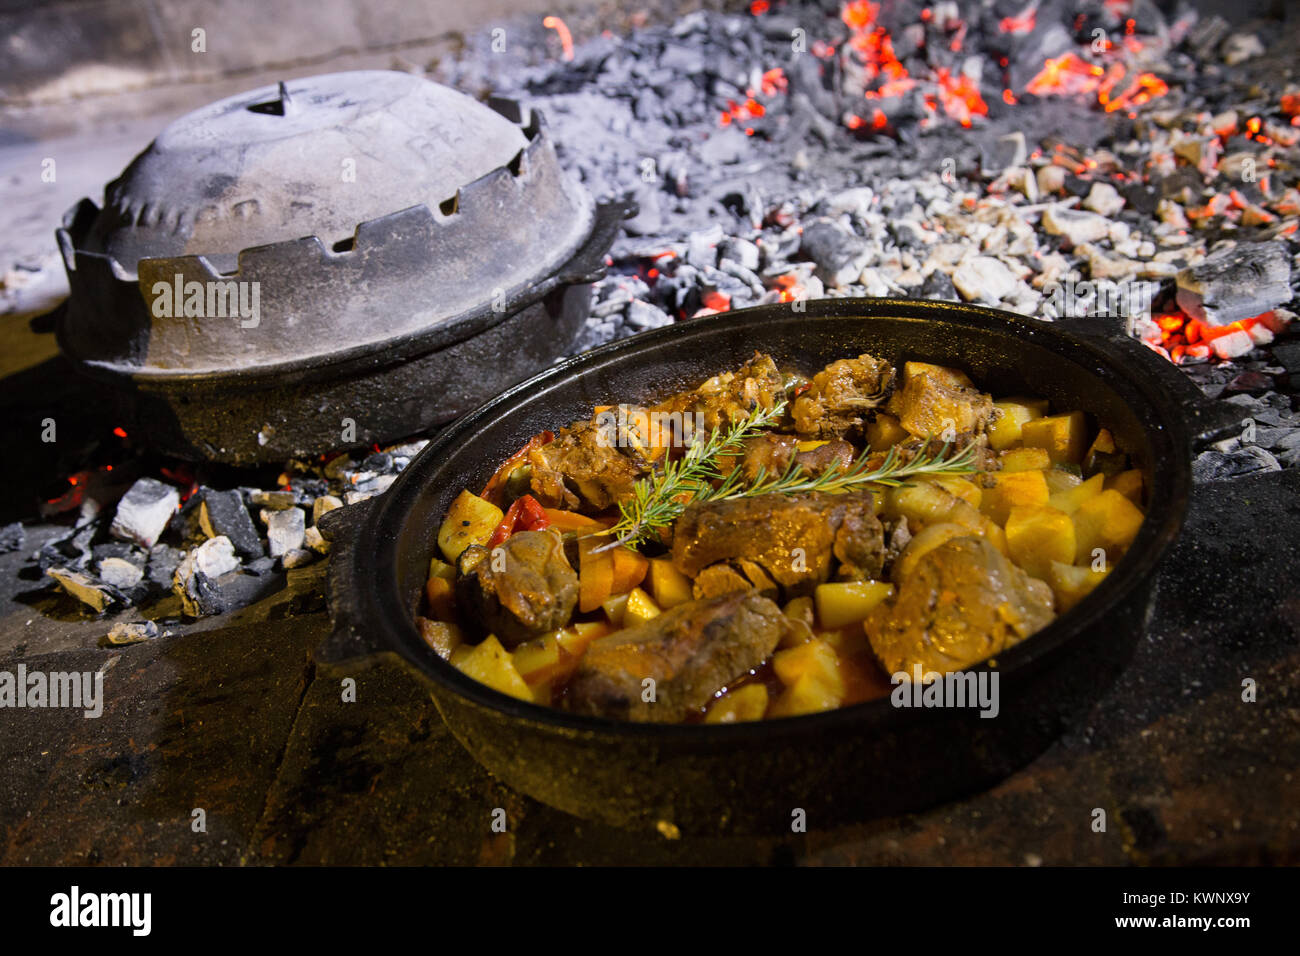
[492,490]
[525,514]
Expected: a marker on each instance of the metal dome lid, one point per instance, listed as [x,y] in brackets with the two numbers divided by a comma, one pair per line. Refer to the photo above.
[363,208]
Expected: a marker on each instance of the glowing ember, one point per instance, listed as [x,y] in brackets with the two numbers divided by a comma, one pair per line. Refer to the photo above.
[1024,23]
[1115,87]
[562,29]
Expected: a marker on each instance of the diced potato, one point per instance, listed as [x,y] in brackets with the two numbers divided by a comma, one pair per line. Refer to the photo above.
[1108,521]
[615,608]
[847,602]
[1071,584]
[802,614]
[443,636]
[1129,484]
[921,503]
[923,543]
[1015,489]
[884,432]
[490,663]
[743,703]
[1059,479]
[976,522]
[640,608]
[441,569]
[668,586]
[811,674]
[1005,432]
[1038,536]
[955,485]
[544,658]
[1069,499]
[575,638]
[1064,436]
[440,593]
[847,641]
[1025,459]
[470,520]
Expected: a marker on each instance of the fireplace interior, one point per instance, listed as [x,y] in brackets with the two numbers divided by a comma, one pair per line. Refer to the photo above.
[1128,162]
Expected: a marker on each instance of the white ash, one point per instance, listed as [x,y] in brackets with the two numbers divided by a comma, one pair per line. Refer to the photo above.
[284,531]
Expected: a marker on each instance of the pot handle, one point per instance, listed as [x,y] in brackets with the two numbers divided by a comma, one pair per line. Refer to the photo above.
[1208,420]
[588,263]
[352,636]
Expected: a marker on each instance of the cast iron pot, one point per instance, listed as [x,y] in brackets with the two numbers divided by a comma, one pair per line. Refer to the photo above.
[858,762]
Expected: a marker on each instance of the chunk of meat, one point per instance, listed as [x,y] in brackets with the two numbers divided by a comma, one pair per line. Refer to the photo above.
[793,538]
[841,396]
[940,402]
[525,589]
[691,652]
[724,578]
[729,396]
[963,603]
[584,468]
[773,453]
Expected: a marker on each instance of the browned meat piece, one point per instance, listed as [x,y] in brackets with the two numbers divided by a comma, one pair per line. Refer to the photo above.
[719,579]
[773,453]
[963,603]
[584,468]
[729,396]
[940,402]
[527,589]
[841,396]
[792,538]
[691,652]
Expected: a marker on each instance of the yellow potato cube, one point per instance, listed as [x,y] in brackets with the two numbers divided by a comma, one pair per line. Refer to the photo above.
[1069,499]
[743,703]
[615,608]
[489,663]
[1064,436]
[640,608]
[441,569]
[921,503]
[1038,536]
[1025,459]
[668,586]
[1108,521]
[470,520]
[811,673]
[1006,431]
[1129,484]
[884,432]
[957,486]
[1015,489]
[847,602]
[1071,584]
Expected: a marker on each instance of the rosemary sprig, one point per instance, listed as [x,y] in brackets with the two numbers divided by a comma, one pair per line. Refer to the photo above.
[659,500]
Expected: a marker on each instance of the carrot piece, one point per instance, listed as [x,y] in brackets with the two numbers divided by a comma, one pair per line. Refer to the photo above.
[572,521]
[595,573]
[630,569]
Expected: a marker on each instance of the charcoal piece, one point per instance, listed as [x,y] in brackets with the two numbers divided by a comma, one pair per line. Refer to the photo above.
[1223,466]
[297,558]
[131,632]
[222,513]
[118,549]
[260,567]
[81,586]
[285,530]
[643,315]
[144,511]
[275,500]
[120,573]
[1003,153]
[834,250]
[163,562]
[185,525]
[938,285]
[1236,282]
[12,537]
